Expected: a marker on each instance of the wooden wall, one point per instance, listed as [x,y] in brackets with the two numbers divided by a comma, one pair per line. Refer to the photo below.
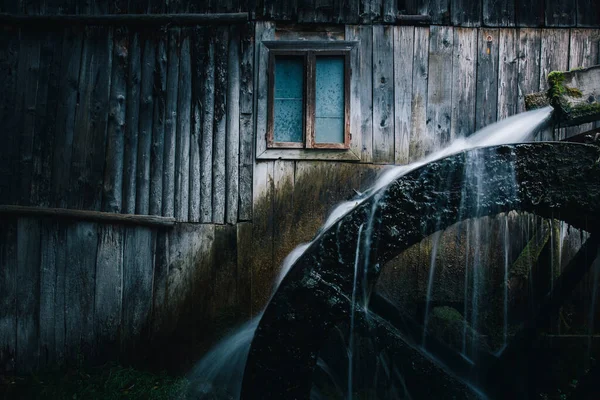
[138,122]
[492,13]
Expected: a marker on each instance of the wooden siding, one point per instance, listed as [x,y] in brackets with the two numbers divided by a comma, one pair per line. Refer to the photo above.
[492,13]
[117,120]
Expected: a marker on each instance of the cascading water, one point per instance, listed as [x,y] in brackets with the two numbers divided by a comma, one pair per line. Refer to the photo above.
[221,370]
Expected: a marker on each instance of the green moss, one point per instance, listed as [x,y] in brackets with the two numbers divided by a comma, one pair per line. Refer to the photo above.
[447,314]
[584,110]
[573,92]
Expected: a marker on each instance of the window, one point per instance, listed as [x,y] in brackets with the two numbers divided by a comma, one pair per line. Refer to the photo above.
[309,95]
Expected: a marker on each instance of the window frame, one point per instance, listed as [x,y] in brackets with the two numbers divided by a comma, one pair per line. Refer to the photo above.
[309,51]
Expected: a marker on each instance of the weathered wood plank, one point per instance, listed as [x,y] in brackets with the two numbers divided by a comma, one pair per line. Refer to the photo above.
[223,304]
[157,150]
[171,125]
[262,236]
[530,13]
[244,270]
[220,127]
[464,82]
[108,298]
[365,76]
[206,149]
[383,95]
[138,263]
[113,170]
[440,11]
[554,57]
[403,73]
[583,53]
[28,292]
[48,291]
[560,13]
[246,122]
[80,283]
[486,105]
[390,10]
[132,125]
[499,13]
[418,141]
[29,66]
[182,143]
[9,61]
[466,12]
[528,64]
[439,89]
[283,210]
[199,58]
[264,31]
[351,33]
[89,142]
[232,139]
[508,73]
[45,119]
[60,293]
[142,190]
[588,13]
[8,288]
[160,308]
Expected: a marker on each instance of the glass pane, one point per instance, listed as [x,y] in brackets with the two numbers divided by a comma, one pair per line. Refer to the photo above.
[289,81]
[329,107]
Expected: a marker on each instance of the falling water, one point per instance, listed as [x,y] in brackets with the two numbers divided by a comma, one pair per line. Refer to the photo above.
[352,314]
[223,366]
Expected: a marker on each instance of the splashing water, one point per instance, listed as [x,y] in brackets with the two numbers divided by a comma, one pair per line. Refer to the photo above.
[222,368]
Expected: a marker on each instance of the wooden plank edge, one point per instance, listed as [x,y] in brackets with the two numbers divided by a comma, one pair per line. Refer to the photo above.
[85,215]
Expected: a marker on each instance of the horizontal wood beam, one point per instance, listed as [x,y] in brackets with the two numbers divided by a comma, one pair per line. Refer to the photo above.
[45,21]
[85,215]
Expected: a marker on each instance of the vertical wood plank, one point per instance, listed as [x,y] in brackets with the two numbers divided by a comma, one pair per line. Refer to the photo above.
[137,287]
[9,60]
[60,294]
[206,150]
[418,142]
[171,125]
[142,190]
[264,31]
[499,13]
[199,58]
[80,283]
[352,34]
[132,126]
[89,142]
[246,122]
[486,105]
[466,12]
[182,145]
[365,75]
[8,300]
[588,13]
[383,94]
[157,151]
[508,73]
[232,138]
[159,285]
[530,13]
[440,11]
[28,292]
[554,57]
[109,290]
[464,82]
[439,89]
[113,171]
[45,121]
[29,68]
[224,273]
[262,265]
[283,210]
[561,13]
[404,37]
[244,270]
[220,126]
[583,52]
[528,64]
[390,10]
[48,292]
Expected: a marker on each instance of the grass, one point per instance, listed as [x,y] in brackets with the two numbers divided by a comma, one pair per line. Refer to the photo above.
[110,382]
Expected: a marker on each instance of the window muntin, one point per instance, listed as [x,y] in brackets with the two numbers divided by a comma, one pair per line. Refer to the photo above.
[325,98]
